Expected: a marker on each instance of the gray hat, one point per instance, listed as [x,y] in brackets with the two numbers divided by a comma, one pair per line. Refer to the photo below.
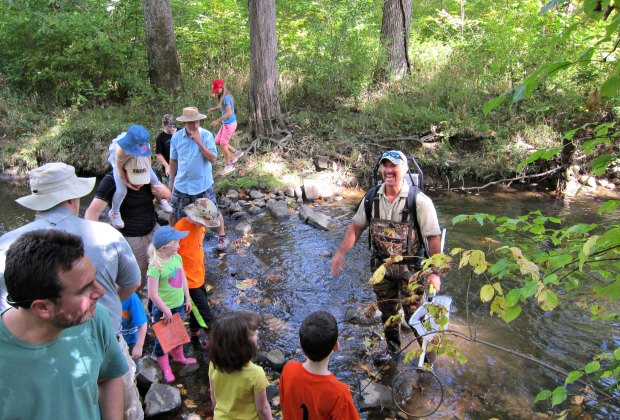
[54,183]
[396,157]
[166,234]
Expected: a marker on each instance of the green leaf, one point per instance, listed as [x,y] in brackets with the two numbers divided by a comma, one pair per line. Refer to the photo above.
[592,367]
[548,300]
[543,395]
[561,260]
[529,289]
[494,103]
[595,9]
[610,87]
[510,313]
[600,164]
[520,93]
[513,297]
[479,218]
[586,56]
[486,293]
[609,206]
[613,26]
[558,396]
[460,218]
[585,252]
[551,278]
[617,354]
[573,376]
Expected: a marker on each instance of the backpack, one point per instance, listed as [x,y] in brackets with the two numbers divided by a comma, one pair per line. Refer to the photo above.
[414,179]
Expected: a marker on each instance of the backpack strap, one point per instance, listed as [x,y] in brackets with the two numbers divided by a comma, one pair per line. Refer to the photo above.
[369,198]
[413,218]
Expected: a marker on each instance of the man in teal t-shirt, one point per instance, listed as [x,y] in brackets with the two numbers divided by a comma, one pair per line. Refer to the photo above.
[58,354]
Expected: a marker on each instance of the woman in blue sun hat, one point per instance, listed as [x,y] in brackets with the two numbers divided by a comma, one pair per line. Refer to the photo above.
[130,151]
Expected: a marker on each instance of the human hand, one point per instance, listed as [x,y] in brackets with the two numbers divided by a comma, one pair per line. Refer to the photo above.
[167,170]
[210,110]
[167,316]
[188,306]
[160,191]
[337,264]
[136,353]
[435,280]
[215,123]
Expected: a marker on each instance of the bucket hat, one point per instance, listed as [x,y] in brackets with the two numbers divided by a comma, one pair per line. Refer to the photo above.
[138,170]
[217,85]
[53,183]
[191,114]
[396,157]
[165,234]
[136,141]
[203,211]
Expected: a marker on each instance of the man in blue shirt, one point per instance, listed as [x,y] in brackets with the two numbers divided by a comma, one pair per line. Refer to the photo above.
[192,155]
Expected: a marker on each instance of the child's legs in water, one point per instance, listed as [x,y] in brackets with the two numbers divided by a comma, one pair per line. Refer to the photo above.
[119,194]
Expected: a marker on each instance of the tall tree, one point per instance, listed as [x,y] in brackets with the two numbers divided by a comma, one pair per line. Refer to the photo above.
[265,117]
[164,68]
[395,30]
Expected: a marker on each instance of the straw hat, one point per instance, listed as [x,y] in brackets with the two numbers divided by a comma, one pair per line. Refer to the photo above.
[54,183]
[203,211]
[191,114]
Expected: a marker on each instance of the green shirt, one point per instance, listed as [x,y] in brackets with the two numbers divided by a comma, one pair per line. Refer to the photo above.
[170,281]
[58,379]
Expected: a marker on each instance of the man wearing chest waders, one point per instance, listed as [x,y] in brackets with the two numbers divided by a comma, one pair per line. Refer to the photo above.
[392,234]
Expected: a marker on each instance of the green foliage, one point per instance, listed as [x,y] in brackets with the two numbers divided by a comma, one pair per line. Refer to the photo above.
[532,259]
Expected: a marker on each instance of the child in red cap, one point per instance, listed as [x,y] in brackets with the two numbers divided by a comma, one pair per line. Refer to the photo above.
[229,124]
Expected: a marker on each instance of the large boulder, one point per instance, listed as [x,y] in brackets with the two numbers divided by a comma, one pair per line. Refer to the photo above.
[314,218]
[278,209]
[161,399]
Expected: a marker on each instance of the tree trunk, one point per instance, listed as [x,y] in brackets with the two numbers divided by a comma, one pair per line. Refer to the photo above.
[164,68]
[395,30]
[265,117]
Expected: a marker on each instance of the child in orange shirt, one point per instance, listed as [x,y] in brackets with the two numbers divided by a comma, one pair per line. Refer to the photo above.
[309,390]
[200,215]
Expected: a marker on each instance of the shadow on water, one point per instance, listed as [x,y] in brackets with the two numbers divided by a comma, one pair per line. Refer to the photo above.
[282,271]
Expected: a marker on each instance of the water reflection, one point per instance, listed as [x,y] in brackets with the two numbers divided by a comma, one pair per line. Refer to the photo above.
[290,263]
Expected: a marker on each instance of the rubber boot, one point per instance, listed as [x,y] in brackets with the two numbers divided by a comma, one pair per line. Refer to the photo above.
[164,364]
[179,357]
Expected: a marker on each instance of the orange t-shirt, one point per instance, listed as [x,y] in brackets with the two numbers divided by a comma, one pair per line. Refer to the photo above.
[192,252]
[305,395]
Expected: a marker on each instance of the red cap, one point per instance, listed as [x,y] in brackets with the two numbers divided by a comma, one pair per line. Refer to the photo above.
[217,85]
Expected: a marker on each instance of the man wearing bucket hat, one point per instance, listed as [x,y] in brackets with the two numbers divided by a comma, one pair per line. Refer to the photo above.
[192,155]
[200,215]
[131,147]
[55,196]
[389,226]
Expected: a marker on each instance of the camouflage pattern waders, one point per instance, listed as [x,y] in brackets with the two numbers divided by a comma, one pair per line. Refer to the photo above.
[389,238]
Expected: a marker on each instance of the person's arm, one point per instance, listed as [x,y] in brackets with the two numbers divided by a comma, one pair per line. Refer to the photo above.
[111,399]
[204,150]
[351,236]
[163,162]
[153,286]
[136,353]
[174,164]
[125,292]
[95,209]
[211,391]
[223,117]
[434,247]
[188,299]
[160,191]
[262,405]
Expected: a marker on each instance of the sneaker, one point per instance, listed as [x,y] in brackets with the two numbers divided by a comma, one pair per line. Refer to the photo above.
[222,243]
[228,169]
[116,220]
[165,206]
[236,156]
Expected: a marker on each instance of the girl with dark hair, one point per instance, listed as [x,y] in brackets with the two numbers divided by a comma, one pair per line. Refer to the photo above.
[237,386]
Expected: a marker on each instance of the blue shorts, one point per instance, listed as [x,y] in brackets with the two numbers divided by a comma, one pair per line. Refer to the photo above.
[180,200]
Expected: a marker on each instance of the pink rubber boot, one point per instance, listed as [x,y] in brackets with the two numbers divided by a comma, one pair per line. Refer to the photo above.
[179,357]
[164,364]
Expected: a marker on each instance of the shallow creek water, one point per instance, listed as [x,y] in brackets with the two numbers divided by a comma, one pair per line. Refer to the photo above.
[290,263]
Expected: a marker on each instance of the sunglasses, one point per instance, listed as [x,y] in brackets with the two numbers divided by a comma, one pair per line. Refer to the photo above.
[395,155]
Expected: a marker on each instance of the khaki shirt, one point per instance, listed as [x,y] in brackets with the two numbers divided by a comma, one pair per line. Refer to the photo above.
[427,215]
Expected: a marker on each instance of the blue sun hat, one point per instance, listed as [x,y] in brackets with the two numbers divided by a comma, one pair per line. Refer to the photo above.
[136,141]
[166,234]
